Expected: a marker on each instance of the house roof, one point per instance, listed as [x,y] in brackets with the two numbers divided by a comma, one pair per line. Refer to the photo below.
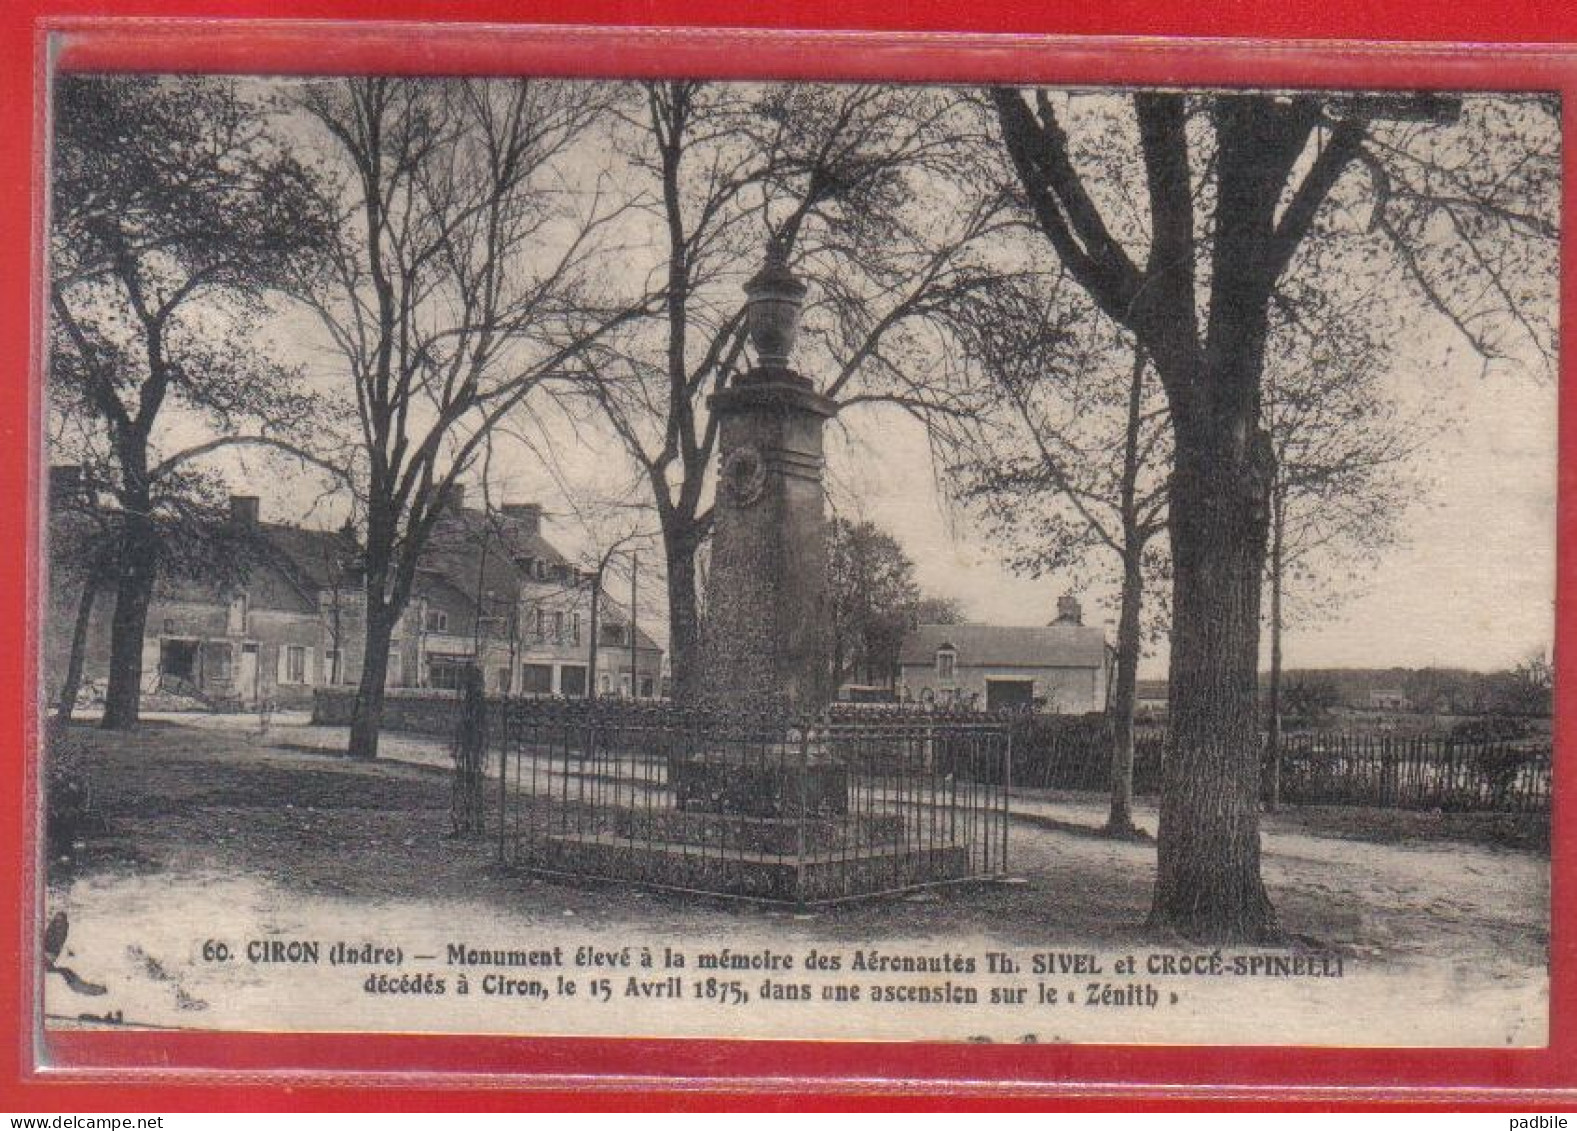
[611,611]
[472,551]
[316,558]
[476,552]
[1019,646]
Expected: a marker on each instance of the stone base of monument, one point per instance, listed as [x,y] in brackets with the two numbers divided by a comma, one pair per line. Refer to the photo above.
[814,877]
[760,787]
[773,830]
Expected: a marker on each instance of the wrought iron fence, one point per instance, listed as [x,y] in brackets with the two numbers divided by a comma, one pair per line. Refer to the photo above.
[765,806]
[1420,772]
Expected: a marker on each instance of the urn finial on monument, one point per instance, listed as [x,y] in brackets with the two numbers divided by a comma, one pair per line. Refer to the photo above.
[774,298]
[766,639]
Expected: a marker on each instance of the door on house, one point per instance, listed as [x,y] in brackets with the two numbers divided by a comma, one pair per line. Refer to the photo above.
[246,673]
[1009,694]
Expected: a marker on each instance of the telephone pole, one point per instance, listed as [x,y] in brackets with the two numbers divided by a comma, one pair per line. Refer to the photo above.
[635,566]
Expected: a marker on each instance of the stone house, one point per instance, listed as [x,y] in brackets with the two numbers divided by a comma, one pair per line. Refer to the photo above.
[491,591]
[227,645]
[1060,668]
[1388,699]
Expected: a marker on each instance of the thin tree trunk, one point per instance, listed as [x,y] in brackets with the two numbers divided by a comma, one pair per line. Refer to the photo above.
[1208,883]
[684,625]
[1273,703]
[67,702]
[137,566]
[1120,820]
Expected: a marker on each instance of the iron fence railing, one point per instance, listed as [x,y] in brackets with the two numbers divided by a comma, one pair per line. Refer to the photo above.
[766,805]
[1416,772]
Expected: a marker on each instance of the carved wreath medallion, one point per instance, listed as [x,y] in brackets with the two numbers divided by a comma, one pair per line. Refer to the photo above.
[744,475]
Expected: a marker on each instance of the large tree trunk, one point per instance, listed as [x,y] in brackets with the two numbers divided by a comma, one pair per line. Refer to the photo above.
[684,622]
[1208,883]
[1120,820]
[136,569]
[366,720]
[67,703]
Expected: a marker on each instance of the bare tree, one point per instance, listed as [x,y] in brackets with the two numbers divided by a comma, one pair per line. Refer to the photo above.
[1342,478]
[837,174]
[175,218]
[459,285]
[81,538]
[1237,185]
[1068,471]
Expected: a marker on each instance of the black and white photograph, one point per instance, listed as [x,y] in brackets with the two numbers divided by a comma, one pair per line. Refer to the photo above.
[790,560]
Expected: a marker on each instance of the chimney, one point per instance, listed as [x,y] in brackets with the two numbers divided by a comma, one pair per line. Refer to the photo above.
[65,482]
[528,515]
[244,510]
[1069,610]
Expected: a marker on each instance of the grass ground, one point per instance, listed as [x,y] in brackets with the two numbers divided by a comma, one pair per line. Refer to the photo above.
[212,826]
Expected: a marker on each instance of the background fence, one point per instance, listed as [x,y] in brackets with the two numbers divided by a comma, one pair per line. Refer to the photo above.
[1440,771]
[763,806]
[1421,772]
[1405,772]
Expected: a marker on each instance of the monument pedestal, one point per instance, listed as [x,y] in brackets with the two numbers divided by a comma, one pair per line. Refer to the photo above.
[767,642]
[735,783]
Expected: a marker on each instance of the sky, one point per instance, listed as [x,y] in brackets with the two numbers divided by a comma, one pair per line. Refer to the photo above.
[1470,583]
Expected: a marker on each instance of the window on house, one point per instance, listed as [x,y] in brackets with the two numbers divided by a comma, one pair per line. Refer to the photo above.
[542,624]
[216,662]
[331,665]
[946,663]
[235,621]
[574,628]
[572,681]
[536,679]
[447,673]
[558,627]
[437,620]
[646,687]
[293,664]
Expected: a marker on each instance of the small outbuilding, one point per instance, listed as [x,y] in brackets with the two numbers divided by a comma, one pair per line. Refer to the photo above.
[1059,668]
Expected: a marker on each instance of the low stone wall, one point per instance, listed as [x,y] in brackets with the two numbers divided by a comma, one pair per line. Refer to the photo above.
[410,710]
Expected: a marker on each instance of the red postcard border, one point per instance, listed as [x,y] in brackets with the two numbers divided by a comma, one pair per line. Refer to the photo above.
[175,1071]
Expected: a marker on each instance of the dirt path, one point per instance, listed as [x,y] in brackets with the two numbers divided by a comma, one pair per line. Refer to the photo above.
[219,834]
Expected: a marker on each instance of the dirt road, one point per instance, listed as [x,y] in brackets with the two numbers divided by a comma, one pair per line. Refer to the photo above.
[221,835]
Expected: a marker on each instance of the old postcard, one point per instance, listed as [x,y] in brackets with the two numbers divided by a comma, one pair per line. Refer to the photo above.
[797,560]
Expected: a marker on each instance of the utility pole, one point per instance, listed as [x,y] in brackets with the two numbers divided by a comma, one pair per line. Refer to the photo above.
[591,659]
[635,565]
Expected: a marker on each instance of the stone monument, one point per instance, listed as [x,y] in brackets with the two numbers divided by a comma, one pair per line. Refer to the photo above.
[763,801]
[767,609]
